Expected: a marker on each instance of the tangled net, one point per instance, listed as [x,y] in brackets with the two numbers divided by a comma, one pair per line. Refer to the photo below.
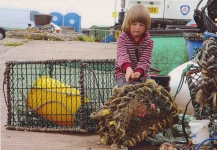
[202,81]
[204,21]
[135,112]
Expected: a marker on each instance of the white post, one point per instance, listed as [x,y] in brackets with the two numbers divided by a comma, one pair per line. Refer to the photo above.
[115,11]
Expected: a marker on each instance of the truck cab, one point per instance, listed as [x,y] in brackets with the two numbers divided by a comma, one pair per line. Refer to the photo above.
[162,12]
[15,18]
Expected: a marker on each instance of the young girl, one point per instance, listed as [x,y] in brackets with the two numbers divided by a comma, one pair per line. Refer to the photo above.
[134,47]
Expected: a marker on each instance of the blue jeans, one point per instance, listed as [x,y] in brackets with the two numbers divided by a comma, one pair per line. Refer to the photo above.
[122,81]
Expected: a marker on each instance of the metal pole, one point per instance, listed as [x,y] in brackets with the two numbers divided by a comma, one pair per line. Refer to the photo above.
[115,11]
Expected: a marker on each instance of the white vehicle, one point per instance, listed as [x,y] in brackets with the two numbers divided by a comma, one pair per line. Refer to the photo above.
[15,18]
[162,12]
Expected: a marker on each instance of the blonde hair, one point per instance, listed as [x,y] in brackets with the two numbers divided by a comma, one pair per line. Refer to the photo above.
[137,13]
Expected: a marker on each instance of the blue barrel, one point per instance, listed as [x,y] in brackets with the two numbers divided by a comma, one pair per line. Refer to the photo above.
[194,42]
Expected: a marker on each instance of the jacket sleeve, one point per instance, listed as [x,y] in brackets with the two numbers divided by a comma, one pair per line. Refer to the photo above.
[122,56]
[145,59]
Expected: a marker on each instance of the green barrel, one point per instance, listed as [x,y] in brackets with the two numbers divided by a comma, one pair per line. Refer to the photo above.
[169,50]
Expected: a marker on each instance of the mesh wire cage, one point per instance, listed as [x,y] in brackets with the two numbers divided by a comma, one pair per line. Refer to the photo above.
[98,82]
[205,18]
[201,80]
[134,113]
[56,95]
[79,96]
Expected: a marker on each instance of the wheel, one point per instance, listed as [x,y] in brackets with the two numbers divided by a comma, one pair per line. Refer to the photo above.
[117,31]
[2,34]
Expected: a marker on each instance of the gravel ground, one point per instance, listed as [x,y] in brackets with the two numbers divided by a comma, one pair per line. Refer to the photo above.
[47,50]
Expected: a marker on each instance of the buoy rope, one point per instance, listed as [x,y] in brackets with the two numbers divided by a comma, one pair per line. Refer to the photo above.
[184,72]
[53,101]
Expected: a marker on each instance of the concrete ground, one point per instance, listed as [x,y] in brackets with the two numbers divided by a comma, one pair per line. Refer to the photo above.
[46,50]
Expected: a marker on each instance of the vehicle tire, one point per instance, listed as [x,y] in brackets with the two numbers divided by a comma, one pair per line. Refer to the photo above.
[117,31]
[2,34]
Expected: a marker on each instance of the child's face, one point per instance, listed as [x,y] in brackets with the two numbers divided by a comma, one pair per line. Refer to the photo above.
[137,29]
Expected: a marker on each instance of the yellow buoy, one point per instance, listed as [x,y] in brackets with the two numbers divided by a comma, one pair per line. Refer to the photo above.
[54,101]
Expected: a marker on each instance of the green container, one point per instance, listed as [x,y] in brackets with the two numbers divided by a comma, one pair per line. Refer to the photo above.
[169,50]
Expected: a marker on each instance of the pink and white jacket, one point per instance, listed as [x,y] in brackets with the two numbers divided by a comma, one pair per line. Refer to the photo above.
[134,54]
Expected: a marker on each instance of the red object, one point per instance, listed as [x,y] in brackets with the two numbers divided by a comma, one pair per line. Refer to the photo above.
[141,111]
[193,25]
[152,105]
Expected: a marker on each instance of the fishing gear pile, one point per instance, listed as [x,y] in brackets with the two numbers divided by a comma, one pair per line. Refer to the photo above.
[202,81]
[134,113]
[202,84]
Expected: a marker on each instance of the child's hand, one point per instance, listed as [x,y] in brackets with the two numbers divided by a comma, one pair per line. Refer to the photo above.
[136,75]
[129,74]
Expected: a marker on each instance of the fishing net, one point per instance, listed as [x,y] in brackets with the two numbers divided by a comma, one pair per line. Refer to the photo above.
[202,81]
[202,84]
[204,21]
[134,113]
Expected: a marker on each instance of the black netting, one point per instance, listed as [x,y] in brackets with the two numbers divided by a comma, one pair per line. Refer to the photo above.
[206,22]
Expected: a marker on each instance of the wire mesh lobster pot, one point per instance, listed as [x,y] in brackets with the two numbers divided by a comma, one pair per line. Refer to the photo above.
[202,85]
[56,95]
[135,112]
[206,17]
[201,81]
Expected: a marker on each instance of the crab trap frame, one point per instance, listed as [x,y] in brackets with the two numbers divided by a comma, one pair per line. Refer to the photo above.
[201,81]
[56,95]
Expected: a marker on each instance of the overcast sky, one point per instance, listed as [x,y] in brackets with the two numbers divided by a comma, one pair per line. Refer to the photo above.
[92,12]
